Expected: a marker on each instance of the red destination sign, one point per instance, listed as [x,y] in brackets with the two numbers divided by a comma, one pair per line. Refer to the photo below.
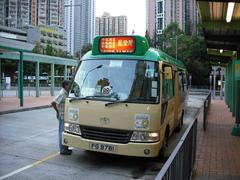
[123,44]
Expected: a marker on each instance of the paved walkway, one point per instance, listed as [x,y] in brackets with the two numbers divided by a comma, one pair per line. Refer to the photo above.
[11,104]
[218,152]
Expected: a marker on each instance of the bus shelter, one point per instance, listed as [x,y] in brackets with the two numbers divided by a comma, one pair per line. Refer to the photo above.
[220,20]
[20,51]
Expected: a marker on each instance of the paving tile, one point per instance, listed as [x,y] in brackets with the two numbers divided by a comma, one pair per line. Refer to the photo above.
[218,152]
[12,103]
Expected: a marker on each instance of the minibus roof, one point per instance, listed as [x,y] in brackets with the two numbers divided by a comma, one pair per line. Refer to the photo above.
[127,47]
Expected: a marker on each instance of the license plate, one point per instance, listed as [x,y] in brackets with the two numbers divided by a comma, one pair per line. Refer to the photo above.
[103,147]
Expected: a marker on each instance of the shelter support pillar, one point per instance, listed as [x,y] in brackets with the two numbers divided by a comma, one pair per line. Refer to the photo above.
[0,79]
[18,78]
[37,79]
[52,79]
[65,72]
[233,88]
[21,78]
[226,84]
[221,86]
[236,128]
[214,82]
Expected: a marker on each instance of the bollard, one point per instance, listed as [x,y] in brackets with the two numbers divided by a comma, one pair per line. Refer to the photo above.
[29,93]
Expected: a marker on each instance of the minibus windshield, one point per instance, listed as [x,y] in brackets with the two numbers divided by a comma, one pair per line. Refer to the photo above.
[117,80]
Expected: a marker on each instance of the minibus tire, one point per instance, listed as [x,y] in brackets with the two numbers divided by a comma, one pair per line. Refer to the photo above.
[162,151]
[180,125]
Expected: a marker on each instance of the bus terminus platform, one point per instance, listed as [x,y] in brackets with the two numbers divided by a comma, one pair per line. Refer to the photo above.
[126,98]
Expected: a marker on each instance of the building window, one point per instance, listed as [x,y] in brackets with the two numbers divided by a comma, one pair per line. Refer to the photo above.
[160,23]
[160,7]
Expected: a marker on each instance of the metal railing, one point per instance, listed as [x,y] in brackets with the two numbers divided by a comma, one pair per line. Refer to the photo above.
[207,103]
[181,162]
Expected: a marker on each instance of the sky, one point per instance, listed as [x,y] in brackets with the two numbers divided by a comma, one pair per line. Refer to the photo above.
[135,10]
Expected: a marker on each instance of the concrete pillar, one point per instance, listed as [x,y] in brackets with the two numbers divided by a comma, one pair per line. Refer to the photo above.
[37,79]
[221,87]
[237,87]
[214,82]
[233,88]
[226,85]
[18,79]
[236,95]
[65,72]
[52,79]
[0,80]
[21,78]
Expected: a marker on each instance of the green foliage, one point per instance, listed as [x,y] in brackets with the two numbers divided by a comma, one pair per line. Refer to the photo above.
[151,41]
[51,51]
[147,36]
[84,50]
[37,49]
[190,49]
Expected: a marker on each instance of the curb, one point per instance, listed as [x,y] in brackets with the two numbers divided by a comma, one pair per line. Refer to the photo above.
[24,109]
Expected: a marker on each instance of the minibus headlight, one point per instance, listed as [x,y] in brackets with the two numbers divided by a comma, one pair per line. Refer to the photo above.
[143,136]
[72,128]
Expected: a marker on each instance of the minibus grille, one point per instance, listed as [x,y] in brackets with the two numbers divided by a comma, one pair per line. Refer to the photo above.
[109,135]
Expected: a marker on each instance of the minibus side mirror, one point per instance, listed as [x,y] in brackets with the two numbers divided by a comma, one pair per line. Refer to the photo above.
[168,73]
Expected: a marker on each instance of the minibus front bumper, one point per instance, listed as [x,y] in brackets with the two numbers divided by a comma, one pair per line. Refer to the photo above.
[128,149]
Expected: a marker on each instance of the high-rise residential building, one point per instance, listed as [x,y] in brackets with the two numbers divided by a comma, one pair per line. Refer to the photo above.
[2,12]
[23,13]
[183,12]
[10,13]
[79,23]
[150,17]
[111,25]
[192,19]
[33,12]
[52,35]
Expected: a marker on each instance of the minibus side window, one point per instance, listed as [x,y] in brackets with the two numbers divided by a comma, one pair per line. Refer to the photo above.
[185,86]
[181,81]
[167,89]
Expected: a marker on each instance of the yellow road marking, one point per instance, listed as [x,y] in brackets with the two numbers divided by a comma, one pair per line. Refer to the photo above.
[30,165]
[45,159]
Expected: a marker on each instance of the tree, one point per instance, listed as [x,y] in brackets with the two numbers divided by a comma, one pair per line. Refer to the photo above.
[166,40]
[38,49]
[151,40]
[190,49]
[64,54]
[49,50]
[147,36]
[87,47]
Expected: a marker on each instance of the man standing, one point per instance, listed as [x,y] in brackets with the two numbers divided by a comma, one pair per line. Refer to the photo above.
[58,104]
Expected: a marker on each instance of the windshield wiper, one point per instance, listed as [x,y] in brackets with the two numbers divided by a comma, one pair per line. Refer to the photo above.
[82,98]
[116,102]
[78,98]
[86,98]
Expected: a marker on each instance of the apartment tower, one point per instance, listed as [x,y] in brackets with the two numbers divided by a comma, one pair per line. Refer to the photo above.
[150,17]
[23,13]
[111,25]
[79,23]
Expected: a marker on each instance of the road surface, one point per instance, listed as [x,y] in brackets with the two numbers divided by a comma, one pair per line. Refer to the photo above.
[29,150]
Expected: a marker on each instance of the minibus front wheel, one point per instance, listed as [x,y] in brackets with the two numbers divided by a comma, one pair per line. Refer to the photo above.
[180,125]
[162,152]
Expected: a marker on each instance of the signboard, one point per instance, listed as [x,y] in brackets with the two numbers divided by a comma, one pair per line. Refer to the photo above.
[237,68]
[118,45]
